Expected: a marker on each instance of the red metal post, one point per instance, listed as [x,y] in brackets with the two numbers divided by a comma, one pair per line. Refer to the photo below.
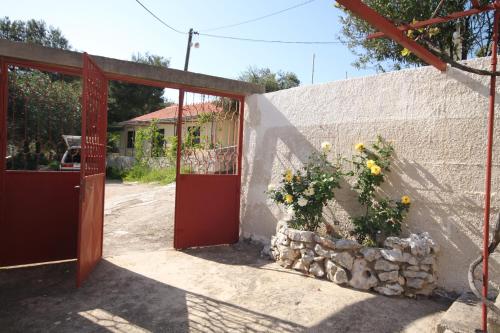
[487,191]
[4,93]
[178,167]
[387,27]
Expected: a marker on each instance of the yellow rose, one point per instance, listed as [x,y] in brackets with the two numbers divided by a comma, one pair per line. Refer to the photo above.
[405,200]
[405,52]
[288,198]
[288,176]
[370,163]
[375,170]
[359,147]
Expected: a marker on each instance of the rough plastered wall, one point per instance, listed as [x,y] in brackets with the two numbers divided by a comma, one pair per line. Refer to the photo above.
[437,123]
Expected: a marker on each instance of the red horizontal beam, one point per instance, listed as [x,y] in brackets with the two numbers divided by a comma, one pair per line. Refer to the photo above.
[364,12]
[436,20]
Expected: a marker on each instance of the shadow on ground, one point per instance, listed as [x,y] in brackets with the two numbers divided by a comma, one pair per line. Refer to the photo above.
[117,299]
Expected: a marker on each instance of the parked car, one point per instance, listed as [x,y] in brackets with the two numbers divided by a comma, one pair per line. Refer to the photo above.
[71,158]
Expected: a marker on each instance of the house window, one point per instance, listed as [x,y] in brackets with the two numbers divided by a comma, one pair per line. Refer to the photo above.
[194,134]
[130,139]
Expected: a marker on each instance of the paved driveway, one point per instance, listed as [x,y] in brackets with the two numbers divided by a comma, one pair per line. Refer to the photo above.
[138,217]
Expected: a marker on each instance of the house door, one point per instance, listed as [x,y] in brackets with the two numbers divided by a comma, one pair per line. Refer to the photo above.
[209,135]
[93,168]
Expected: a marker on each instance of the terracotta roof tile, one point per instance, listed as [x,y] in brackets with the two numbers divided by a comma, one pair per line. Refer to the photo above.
[170,113]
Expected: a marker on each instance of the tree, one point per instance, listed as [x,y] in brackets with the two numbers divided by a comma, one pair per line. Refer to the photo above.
[459,39]
[127,100]
[33,31]
[271,81]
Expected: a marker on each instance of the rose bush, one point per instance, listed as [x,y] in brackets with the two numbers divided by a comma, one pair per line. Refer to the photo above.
[305,192]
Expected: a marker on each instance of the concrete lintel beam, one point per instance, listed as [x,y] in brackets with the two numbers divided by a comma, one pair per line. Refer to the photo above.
[128,70]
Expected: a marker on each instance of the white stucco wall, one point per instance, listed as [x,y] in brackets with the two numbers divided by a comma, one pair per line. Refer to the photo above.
[437,123]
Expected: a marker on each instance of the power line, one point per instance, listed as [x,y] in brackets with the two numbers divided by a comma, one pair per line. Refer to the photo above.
[245,39]
[260,17]
[270,40]
[159,19]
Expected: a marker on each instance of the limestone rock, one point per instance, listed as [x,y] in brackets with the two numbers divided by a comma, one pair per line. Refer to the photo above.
[319,259]
[425,267]
[317,270]
[370,253]
[389,276]
[397,243]
[384,265]
[273,241]
[410,259]
[282,239]
[415,283]
[330,269]
[362,276]
[300,265]
[392,255]
[413,268]
[344,259]
[347,244]
[429,260]
[422,244]
[301,235]
[413,274]
[307,256]
[340,276]
[320,251]
[325,242]
[287,253]
[296,245]
[390,289]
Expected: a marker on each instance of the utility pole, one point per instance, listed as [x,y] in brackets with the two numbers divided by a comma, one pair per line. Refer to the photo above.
[312,74]
[188,50]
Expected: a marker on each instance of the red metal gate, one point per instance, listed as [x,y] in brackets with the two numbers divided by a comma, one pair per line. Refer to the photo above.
[93,168]
[209,135]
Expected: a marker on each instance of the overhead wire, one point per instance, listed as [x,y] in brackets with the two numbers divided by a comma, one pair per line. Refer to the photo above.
[246,39]
[159,19]
[259,18]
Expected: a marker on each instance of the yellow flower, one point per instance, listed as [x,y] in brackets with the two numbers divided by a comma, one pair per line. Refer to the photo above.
[370,163]
[405,200]
[288,175]
[405,52]
[433,31]
[375,170]
[359,147]
[410,34]
[288,198]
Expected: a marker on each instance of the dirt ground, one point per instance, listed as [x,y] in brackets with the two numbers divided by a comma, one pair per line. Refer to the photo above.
[142,286]
[218,289]
[138,217]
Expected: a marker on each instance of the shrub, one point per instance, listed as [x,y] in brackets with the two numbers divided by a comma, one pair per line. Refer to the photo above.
[306,192]
[383,217]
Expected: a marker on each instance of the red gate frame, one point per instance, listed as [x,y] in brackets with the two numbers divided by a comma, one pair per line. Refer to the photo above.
[179,242]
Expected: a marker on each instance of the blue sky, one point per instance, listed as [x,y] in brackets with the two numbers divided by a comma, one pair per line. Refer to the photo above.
[119,28]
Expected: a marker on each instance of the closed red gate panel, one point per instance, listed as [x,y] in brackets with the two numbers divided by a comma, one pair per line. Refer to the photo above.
[208,209]
[41,217]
